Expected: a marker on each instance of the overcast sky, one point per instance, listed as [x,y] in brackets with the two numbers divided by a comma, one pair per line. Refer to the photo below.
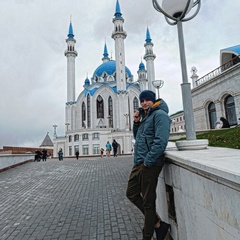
[33,66]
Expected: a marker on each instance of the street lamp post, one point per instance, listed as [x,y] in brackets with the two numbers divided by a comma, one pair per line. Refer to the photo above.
[55,131]
[158,84]
[175,12]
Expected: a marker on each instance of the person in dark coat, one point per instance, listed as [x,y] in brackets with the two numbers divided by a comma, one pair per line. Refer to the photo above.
[151,129]
[225,122]
[115,147]
[44,155]
[60,154]
[38,155]
[77,154]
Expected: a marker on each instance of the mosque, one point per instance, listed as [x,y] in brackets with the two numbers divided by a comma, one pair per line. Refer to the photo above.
[104,110]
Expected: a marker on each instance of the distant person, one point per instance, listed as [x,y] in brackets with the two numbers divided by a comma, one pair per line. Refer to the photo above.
[60,154]
[38,155]
[108,149]
[77,154]
[115,147]
[44,155]
[225,122]
[101,152]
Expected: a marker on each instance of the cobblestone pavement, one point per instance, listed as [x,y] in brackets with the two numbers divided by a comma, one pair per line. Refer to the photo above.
[70,199]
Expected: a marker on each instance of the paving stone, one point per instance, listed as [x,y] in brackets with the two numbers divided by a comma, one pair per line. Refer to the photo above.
[70,199]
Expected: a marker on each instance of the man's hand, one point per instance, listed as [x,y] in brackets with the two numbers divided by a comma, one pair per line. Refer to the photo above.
[136,116]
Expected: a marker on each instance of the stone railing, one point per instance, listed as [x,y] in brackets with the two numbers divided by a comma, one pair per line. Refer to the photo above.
[198,193]
[218,71]
[11,160]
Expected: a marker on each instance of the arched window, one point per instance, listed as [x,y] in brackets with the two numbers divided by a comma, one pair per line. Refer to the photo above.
[100,108]
[212,115]
[83,115]
[230,110]
[135,104]
[88,111]
[110,112]
[76,137]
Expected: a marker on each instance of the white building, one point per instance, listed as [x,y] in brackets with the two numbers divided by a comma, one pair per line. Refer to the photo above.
[178,122]
[217,94]
[104,110]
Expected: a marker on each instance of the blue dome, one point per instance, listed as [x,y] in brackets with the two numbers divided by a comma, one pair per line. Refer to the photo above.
[109,68]
[141,66]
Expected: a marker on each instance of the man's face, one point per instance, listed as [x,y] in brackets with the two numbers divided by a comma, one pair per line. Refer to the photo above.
[146,104]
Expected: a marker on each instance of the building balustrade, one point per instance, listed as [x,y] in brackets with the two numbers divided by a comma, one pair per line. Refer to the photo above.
[218,71]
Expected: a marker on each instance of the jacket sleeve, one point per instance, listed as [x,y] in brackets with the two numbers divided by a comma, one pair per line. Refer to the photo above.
[158,144]
[135,128]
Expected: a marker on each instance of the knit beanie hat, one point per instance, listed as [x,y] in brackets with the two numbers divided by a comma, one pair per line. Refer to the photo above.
[147,95]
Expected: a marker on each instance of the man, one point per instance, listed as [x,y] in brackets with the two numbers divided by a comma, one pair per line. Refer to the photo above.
[151,130]
[115,147]
[77,154]
[44,155]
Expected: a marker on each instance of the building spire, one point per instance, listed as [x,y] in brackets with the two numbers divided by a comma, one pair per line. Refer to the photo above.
[70,31]
[118,13]
[148,37]
[105,53]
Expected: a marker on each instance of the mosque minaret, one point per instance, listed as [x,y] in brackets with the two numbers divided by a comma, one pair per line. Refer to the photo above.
[119,35]
[70,54]
[149,57]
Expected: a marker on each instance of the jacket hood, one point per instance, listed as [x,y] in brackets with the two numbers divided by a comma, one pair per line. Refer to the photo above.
[159,104]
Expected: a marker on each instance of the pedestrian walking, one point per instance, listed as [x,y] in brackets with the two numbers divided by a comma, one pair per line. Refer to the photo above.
[115,147]
[151,130]
[108,149]
[101,152]
[77,154]
[60,154]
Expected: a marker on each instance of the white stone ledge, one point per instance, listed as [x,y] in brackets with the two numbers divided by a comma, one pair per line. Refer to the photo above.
[223,164]
[10,160]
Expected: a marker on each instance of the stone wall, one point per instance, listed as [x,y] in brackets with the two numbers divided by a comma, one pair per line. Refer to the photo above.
[23,150]
[10,160]
[199,192]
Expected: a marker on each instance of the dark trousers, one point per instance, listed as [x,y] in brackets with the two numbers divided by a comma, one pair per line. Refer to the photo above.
[141,191]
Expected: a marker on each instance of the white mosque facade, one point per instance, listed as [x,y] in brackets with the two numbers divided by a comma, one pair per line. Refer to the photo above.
[104,110]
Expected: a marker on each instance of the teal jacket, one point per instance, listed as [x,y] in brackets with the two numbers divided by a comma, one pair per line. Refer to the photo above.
[151,135]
